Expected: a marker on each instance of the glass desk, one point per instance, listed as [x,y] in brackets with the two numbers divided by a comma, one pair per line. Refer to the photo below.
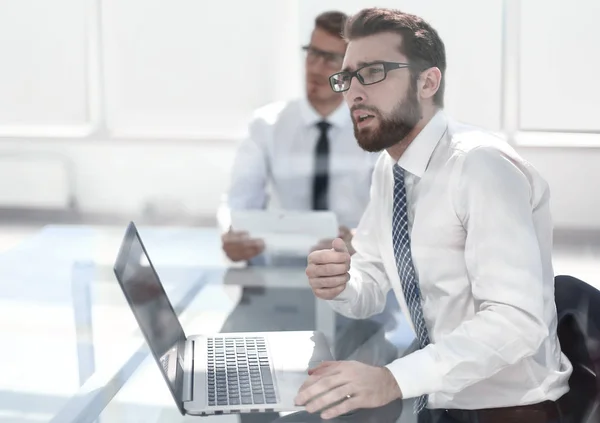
[72,350]
[68,338]
[253,299]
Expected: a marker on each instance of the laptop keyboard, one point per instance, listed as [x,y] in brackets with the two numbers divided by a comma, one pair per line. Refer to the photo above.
[165,363]
[239,372]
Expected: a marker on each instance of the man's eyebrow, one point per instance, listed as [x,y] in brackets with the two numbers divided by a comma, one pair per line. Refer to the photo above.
[333,53]
[360,65]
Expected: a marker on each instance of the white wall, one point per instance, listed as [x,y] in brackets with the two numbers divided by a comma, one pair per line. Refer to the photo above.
[559,65]
[148,98]
[456,22]
[123,176]
[43,72]
[189,68]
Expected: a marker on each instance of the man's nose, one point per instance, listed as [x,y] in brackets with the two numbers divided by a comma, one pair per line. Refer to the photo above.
[356,93]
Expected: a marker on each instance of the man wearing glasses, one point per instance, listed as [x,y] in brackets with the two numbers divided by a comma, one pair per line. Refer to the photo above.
[459,227]
[302,154]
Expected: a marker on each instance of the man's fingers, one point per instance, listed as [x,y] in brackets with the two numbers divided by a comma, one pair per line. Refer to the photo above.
[322,245]
[343,232]
[243,249]
[329,293]
[330,281]
[346,406]
[329,398]
[253,246]
[326,270]
[328,256]
[311,380]
[235,236]
[252,252]
[255,243]
[339,246]
[317,385]
[243,241]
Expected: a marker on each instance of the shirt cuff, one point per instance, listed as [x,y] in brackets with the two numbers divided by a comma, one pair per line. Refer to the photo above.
[348,295]
[417,373]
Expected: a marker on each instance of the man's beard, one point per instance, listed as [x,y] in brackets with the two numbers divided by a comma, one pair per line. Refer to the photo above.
[393,128]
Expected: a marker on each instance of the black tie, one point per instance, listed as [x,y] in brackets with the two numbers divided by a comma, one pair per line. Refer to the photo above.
[321,181]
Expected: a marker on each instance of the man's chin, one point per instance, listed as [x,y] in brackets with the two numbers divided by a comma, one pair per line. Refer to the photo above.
[369,143]
[320,95]
[368,138]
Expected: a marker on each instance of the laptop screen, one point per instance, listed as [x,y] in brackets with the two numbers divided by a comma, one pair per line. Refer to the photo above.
[152,309]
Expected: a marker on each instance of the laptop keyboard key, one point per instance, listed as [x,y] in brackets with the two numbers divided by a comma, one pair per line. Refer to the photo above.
[266,375]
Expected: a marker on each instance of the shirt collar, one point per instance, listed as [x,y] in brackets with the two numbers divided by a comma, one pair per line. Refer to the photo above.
[416,157]
[339,117]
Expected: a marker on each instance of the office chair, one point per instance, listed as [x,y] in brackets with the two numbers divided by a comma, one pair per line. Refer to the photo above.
[578,310]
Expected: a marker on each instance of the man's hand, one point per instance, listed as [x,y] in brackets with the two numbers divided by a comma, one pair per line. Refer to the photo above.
[239,246]
[344,233]
[330,383]
[327,270]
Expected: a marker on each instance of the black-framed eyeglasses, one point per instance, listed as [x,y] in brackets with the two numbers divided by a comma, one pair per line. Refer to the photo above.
[331,59]
[366,75]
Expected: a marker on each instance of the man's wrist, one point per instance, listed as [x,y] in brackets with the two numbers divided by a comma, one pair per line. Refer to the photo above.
[395,388]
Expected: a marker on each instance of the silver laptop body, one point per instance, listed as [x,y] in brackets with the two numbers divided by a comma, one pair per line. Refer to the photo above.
[217,373]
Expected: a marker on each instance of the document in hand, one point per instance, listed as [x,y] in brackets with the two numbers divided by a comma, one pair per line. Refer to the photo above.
[286,232]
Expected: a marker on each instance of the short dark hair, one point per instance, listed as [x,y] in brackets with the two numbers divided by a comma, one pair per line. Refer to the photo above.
[421,44]
[332,22]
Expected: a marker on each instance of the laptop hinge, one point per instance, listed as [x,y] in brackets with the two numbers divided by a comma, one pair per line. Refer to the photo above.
[188,371]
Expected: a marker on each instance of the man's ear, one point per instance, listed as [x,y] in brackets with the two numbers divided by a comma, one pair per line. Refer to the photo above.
[429,82]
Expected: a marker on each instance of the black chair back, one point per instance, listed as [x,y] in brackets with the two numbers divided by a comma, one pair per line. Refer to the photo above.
[578,309]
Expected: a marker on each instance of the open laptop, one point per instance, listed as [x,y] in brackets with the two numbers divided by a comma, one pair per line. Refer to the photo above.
[219,373]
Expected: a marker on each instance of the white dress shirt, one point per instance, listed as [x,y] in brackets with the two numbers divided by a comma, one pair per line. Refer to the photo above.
[481,239]
[274,165]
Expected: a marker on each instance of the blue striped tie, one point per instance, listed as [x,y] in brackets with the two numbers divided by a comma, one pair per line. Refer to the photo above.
[406,270]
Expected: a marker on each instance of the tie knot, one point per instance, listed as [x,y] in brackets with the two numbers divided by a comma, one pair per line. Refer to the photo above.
[398,174]
[323,126]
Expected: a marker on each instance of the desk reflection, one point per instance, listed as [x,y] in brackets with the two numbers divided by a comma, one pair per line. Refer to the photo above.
[279,298]
[386,414]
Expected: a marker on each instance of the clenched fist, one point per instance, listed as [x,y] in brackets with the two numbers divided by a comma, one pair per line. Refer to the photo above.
[327,270]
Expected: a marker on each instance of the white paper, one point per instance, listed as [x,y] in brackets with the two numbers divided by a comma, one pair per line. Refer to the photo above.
[267,276]
[286,232]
